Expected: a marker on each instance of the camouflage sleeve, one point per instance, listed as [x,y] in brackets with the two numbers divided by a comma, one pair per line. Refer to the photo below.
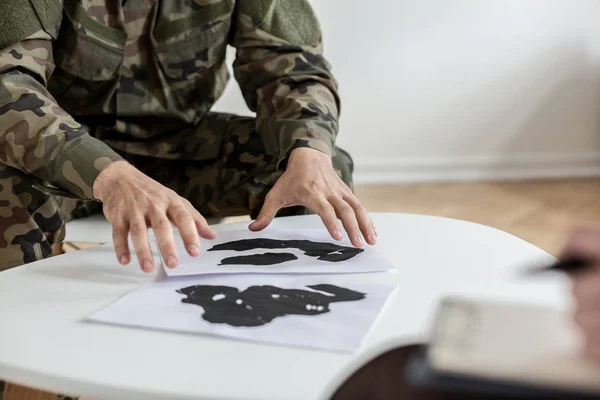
[36,135]
[284,77]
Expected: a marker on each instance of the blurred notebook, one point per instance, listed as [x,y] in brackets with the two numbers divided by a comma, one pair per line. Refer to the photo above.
[505,348]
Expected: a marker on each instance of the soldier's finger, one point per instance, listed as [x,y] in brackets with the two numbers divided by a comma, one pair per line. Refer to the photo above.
[164,238]
[364,221]
[348,217]
[204,230]
[268,211]
[120,232]
[327,213]
[139,236]
[184,221]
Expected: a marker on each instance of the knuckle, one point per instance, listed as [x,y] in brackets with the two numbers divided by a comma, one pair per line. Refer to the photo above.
[120,244]
[200,223]
[264,214]
[119,231]
[121,250]
[180,214]
[160,223]
[327,209]
[166,248]
[171,193]
[145,197]
[350,226]
[271,197]
[160,200]
[138,228]
[341,193]
[312,186]
[355,204]
[331,195]
[155,207]
[359,208]
[170,197]
[346,210]
[200,218]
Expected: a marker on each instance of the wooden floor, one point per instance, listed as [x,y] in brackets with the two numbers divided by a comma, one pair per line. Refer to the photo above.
[540,212]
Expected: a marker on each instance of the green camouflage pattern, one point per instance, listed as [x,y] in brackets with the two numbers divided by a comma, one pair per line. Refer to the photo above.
[137,81]
[236,182]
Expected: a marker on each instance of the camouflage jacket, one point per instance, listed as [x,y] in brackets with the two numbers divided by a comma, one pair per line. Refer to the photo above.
[138,76]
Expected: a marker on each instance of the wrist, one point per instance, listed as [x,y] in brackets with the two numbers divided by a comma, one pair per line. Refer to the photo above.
[107,178]
[302,153]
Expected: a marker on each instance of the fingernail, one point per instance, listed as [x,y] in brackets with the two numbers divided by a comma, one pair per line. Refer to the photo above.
[373,236]
[147,266]
[194,250]
[123,259]
[338,234]
[359,240]
[171,262]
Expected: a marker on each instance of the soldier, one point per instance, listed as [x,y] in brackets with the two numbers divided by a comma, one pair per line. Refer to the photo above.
[105,104]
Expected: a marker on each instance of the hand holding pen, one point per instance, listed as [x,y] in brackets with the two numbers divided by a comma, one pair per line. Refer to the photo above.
[580,258]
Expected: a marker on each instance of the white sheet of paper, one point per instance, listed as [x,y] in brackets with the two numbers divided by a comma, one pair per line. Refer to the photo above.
[212,262]
[338,325]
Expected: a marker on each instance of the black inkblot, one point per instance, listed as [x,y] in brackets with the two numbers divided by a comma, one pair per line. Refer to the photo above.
[259,259]
[322,250]
[259,305]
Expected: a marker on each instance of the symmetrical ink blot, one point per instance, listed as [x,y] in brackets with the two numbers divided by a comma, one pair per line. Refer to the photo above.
[321,250]
[259,305]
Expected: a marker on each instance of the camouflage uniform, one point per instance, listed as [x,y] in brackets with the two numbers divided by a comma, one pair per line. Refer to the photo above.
[103,80]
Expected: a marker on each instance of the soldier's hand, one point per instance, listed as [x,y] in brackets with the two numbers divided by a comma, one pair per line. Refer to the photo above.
[584,242]
[311,181]
[133,203]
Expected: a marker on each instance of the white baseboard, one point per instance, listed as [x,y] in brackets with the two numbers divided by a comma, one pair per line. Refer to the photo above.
[505,167]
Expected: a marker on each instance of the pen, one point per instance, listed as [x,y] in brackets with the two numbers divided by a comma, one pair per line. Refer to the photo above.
[568,265]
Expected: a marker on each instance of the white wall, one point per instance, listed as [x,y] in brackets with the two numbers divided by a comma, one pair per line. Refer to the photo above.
[464,89]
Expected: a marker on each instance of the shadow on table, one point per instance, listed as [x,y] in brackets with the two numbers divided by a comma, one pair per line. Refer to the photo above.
[101,273]
[128,275]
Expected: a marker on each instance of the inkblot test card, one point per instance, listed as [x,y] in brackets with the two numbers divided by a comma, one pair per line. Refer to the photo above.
[247,286]
[278,251]
[326,314]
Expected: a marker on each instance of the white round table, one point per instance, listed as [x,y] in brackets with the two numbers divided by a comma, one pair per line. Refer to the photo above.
[45,344]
